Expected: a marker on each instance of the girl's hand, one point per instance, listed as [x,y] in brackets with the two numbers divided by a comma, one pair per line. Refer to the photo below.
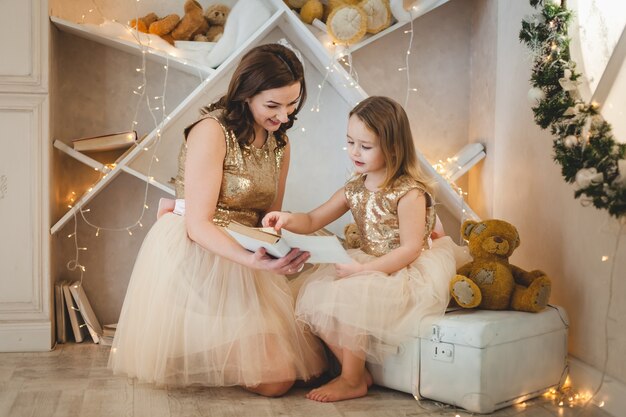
[343,270]
[276,219]
[289,264]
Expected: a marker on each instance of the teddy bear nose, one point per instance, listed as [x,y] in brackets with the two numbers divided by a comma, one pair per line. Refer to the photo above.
[498,239]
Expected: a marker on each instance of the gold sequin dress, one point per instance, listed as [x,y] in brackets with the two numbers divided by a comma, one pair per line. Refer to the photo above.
[193,317]
[371,313]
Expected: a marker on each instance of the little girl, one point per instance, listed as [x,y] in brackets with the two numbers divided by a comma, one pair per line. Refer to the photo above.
[398,276]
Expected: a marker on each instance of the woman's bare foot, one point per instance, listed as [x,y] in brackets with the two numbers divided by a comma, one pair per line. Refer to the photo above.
[339,389]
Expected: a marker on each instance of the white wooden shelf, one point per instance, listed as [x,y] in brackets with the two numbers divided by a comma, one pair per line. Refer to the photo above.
[422,7]
[98,166]
[109,174]
[136,46]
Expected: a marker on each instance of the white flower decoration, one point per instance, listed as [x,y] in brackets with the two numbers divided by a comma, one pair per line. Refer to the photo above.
[574,111]
[535,95]
[588,176]
[567,83]
[570,141]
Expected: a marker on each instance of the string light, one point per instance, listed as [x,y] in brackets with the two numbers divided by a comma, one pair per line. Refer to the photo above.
[409,89]
[140,90]
[338,53]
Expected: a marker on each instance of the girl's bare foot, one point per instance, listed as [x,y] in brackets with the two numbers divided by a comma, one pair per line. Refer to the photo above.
[339,389]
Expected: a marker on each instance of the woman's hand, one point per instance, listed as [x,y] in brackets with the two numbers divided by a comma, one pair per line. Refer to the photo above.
[289,264]
[166,205]
[343,270]
[276,219]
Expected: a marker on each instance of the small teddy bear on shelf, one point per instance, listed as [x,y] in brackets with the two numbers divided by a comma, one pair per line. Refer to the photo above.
[194,23]
[164,27]
[215,16]
[143,23]
[352,236]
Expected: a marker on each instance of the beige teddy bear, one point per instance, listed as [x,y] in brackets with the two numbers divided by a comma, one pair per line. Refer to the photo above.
[215,16]
[352,236]
[490,282]
[192,23]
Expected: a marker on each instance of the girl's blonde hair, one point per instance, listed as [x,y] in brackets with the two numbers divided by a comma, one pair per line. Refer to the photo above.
[388,120]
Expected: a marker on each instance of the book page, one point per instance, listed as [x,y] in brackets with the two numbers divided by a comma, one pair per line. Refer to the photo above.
[277,250]
[323,249]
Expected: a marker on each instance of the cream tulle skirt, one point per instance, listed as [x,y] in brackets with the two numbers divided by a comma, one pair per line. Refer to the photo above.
[371,313]
[192,317]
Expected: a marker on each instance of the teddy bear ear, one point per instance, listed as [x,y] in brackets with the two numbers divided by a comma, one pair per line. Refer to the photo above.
[466,228]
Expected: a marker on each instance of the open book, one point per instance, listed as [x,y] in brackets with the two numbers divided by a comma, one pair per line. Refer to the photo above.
[323,249]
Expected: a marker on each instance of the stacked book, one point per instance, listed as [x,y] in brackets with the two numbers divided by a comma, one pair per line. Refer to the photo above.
[75,316]
[108,333]
[109,142]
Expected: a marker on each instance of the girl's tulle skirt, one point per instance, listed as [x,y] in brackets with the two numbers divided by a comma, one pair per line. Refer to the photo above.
[372,313]
[193,317]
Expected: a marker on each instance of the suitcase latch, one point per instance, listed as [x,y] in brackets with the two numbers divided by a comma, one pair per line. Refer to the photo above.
[434,335]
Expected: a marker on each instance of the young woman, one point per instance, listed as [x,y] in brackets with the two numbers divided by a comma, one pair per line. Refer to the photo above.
[200,309]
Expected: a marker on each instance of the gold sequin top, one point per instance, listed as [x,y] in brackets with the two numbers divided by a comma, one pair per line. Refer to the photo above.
[376,213]
[249,180]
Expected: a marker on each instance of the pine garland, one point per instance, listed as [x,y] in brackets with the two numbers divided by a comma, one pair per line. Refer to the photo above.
[583,145]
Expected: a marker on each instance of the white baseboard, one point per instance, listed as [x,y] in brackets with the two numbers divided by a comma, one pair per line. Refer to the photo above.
[26,336]
[586,379]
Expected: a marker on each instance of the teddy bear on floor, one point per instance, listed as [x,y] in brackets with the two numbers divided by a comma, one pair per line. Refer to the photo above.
[490,282]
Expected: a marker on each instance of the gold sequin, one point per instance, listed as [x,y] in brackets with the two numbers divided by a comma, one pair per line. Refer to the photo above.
[249,181]
[376,214]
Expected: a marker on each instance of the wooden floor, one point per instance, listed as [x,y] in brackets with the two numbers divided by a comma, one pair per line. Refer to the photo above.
[73,380]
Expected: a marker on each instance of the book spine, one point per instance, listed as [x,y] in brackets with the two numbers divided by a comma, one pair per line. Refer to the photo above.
[73,313]
[59,308]
[84,307]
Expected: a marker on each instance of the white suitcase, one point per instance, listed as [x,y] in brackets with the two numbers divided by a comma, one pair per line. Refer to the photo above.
[480,360]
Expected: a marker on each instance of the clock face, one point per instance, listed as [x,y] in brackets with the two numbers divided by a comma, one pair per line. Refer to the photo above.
[599,47]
